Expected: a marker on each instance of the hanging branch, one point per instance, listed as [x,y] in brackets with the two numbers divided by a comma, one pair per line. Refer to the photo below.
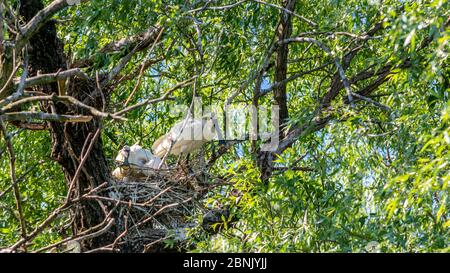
[162,98]
[12,171]
[144,66]
[21,83]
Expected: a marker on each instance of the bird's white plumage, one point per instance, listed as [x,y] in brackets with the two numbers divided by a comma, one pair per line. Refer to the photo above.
[118,173]
[138,158]
[185,136]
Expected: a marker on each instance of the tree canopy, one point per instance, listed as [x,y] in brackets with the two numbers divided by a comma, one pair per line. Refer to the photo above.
[362,88]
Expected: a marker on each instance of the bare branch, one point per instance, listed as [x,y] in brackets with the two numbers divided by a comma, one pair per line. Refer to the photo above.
[332,34]
[225,7]
[33,126]
[12,171]
[144,66]
[53,77]
[124,46]
[26,116]
[92,232]
[337,62]
[293,77]
[39,20]
[10,79]
[152,35]
[308,21]
[382,106]
[68,99]
[163,97]
[52,217]
[83,160]
[21,85]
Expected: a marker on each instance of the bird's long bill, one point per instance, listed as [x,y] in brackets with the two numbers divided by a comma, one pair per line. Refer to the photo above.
[211,130]
[218,130]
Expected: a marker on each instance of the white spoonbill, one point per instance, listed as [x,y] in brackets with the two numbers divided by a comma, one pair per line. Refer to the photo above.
[186,136]
[135,157]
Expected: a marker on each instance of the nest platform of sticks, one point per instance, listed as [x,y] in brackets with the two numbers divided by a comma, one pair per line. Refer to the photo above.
[153,205]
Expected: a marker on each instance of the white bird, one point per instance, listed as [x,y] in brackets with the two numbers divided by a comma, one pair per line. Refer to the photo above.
[137,158]
[186,136]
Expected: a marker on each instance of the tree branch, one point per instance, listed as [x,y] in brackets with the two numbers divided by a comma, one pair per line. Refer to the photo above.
[26,116]
[68,99]
[52,217]
[12,171]
[163,97]
[308,21]
[53,77]
[152,35]
[382,106]
[337,62]
[39,20]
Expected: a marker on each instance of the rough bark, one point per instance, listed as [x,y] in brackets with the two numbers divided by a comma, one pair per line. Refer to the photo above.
[284,30]
[46,56]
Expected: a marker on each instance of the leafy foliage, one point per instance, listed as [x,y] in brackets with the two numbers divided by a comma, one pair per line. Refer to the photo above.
[373,175]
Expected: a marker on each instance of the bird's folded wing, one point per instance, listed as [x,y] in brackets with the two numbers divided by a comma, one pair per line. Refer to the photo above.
[158,142]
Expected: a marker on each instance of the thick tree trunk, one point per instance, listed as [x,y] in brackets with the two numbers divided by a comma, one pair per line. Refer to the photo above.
[47,56]
[284,30]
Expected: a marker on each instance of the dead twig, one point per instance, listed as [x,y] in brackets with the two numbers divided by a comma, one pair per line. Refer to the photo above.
[84,157]
[52,217]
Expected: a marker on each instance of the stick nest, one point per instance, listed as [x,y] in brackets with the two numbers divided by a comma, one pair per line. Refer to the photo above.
[159,200]
[167,194]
